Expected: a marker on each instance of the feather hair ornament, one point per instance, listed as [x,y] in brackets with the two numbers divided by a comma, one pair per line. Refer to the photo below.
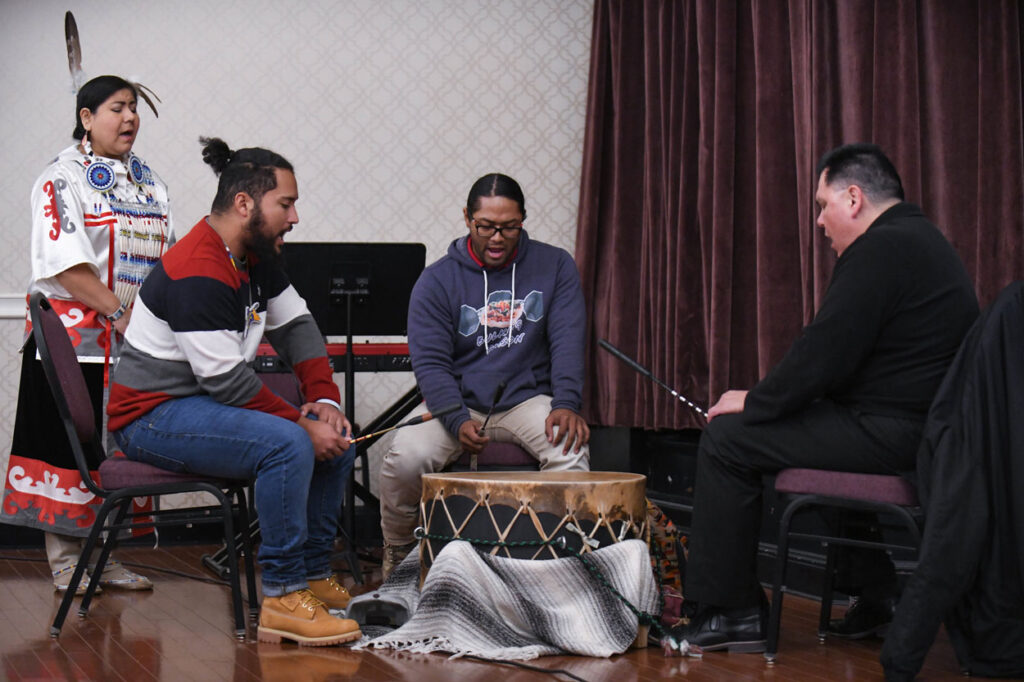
[74,52]
[78,79]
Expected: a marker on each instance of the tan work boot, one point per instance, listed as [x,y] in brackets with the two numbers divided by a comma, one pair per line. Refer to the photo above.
[330,591]
[301,617]
[393,555]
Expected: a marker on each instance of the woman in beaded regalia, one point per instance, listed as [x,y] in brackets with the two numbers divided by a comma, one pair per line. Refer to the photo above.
[100,221]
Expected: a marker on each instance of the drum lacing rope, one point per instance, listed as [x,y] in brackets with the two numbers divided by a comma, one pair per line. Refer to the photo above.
[560,543]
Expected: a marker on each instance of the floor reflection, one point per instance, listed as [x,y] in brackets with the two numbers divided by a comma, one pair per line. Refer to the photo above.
[110,653]
[291,663]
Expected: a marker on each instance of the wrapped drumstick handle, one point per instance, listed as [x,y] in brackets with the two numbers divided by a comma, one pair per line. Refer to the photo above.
[647,373]
[494,403]
[425,417]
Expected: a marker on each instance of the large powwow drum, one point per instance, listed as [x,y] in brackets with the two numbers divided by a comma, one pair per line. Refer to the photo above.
[531,514]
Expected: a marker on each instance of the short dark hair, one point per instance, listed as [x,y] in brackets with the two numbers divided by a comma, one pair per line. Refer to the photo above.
[250,170]
[94,93]
[495,185]
[864,165]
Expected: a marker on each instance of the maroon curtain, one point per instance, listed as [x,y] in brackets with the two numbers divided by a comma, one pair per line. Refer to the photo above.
[696,239]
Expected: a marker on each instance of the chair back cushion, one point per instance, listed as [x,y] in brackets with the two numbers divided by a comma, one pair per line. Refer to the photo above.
[284,384]
[58,356]
[868,487]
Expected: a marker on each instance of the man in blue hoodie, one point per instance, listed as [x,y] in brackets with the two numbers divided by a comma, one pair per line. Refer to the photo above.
[497,327]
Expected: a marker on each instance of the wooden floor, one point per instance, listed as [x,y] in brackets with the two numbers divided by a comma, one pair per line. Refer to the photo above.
[182,630]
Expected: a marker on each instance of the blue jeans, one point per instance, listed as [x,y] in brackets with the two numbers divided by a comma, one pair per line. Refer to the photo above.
[298,499]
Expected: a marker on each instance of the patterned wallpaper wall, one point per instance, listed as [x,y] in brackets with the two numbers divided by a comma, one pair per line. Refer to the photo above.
[389,109]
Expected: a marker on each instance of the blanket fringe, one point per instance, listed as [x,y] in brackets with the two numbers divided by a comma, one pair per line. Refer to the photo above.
[432,645]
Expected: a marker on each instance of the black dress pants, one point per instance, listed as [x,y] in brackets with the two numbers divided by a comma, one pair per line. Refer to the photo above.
[732,458]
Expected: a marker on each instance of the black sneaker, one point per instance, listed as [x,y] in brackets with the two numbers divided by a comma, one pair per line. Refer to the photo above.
[864,618]
[738,630]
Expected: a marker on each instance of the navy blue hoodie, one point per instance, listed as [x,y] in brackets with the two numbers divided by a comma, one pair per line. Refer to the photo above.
[462,345]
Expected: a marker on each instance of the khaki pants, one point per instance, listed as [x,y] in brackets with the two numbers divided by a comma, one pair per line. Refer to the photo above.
[429,447]
[62,550]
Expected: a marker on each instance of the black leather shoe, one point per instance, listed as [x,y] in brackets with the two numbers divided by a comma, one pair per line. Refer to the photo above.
[739,630]
[864,618]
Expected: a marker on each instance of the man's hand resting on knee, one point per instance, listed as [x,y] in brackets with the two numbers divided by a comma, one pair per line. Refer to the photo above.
[327,442]
[470,437]
[571,427]
[329,414]
[731,402]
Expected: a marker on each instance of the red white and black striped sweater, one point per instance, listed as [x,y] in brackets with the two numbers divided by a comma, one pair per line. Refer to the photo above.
[196,325]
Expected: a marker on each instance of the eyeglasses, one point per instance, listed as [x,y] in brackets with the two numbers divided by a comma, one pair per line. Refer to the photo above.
[507,231]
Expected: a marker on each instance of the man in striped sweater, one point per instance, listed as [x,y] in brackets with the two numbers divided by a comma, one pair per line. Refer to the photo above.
[184,396]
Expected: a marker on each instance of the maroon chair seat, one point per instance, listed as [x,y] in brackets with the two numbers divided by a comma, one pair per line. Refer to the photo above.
[497,456]
[844,491]
[869,487]
[121,472]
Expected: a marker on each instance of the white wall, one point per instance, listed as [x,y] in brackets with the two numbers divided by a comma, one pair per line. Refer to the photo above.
[389,109]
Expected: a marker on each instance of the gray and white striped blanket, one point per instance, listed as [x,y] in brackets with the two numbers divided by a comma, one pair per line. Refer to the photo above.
[514,609]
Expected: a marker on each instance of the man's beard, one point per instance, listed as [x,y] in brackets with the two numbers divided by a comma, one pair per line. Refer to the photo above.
[256,239]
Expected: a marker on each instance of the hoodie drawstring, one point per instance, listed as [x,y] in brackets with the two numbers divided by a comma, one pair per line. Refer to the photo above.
[512,306]
[486,311]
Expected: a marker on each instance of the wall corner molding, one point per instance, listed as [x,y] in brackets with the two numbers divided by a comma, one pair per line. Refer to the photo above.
[12,306]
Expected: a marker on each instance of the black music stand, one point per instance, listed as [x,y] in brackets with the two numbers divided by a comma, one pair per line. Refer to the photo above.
[356,289]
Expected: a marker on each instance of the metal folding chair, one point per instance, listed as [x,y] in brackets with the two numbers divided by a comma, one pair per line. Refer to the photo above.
[122,480]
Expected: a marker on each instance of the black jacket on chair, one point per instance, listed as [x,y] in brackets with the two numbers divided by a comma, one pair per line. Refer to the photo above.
[971,481]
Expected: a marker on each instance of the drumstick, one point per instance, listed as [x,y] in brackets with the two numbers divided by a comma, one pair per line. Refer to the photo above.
[494,403]
[647,373]
[425,417]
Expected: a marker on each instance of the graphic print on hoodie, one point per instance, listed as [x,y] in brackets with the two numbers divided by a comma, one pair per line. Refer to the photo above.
[501,312]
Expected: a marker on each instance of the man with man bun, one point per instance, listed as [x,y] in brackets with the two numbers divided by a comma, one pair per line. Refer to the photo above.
[184,396]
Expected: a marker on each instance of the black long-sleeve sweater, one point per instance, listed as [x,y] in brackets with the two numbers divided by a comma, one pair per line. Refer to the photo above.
[894,314]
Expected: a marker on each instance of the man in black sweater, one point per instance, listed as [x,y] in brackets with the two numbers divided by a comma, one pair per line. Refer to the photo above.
[851,394]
